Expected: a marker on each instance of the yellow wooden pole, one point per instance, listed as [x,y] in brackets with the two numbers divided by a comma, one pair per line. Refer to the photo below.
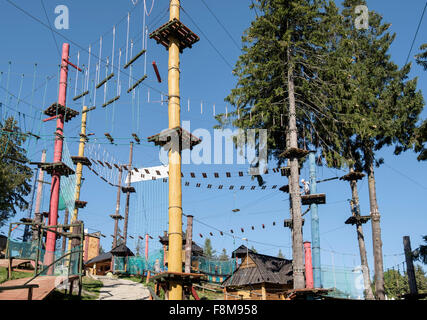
[175,196]
[79,167]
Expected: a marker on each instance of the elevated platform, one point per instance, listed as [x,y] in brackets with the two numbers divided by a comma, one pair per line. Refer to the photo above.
[306,293]
[289,224]
[284,188]
[309,199]
[357,220]
[58,167]
[353,176]
[291,153]
[184,278]
[128,189]
[83,160]
[116,216]
[57,108]
[286,171]
[80,204]
[186,139]
[178,30]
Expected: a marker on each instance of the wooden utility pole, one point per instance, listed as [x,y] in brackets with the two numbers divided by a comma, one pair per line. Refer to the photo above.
[40,182]
[79,167]
[125,227]
[64,239]
[117,215]
[294,190]
[413,290]
[376,233]
[361,239]
[188,243]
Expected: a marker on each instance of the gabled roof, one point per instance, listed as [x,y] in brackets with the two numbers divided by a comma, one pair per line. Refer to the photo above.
[121,250]
[267,269]
[195,248]
[241,252]
[102,257]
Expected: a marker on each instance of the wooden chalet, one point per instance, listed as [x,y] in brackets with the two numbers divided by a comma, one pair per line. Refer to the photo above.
[102,264]
[259,277]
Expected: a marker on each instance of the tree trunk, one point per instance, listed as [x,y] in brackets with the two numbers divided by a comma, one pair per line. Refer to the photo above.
[376,230]
[361,239]
[294,191]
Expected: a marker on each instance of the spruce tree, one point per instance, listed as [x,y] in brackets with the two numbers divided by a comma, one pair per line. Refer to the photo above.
[279,87]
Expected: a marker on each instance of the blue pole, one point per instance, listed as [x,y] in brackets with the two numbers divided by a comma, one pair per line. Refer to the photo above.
[315,237]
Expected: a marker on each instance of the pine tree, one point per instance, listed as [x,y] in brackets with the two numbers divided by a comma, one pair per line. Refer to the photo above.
[207,249]
[223,256]
[15,175]
[280,254]
[279,86]
[422,130]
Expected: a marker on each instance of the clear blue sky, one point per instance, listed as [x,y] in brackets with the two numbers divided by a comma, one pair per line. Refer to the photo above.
[401,182]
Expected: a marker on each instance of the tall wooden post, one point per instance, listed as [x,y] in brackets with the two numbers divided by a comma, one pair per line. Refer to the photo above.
[40,182]
[361,240]
[175,196]
[125,227]
[116,219]
[413,290]
[57,157]
[79,165]
[64,239]
[188,243]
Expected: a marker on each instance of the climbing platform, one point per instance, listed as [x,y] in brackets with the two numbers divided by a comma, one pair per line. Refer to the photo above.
[110,101]
[83,160]
[135,136]
[116,216]
[284,188]
[128,189]
[357,220]
[289,224]
[309,199]
[178,30]
[109,137]
[186,139]
[80,204]
[59,167]
[286,171]
[291,153]
[184,278]
[57,108]
[353,176]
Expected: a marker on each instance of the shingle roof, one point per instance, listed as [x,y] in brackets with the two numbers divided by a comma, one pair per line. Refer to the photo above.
[122,250]
[195,248]
[241,252]
[267,269]
[102,257]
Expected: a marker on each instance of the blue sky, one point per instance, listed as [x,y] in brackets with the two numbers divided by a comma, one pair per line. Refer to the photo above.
[206,79]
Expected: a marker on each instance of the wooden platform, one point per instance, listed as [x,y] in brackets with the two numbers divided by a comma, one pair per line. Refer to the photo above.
[57,108]
[116,216]
[15,263]
[308,199]
[128,189]
[289,224]
[303,294]
[59,167]
[83,160]
[46,284]
[186,139]
[80,204]
[185,278]
[284,188]
[353,176]
[178,30]
[286,171]
[357,219]
[292,153]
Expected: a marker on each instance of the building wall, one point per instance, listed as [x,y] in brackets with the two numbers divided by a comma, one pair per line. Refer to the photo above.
[91,247]
[255,292]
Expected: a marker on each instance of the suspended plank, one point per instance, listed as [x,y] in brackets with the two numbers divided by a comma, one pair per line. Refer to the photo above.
[111,101]
[137,83]
[81,95]
[99,85]
[135,58]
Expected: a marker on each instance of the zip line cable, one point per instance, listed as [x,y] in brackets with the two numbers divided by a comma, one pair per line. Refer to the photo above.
[416,33]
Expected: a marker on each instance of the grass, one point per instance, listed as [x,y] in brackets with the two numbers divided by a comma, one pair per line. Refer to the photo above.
[90,291]
[15,275]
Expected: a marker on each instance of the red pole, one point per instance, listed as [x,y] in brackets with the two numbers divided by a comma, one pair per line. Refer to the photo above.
[146,247]
[57,157]
[308,266]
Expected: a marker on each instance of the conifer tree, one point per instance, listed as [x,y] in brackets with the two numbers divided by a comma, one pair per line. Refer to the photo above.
[15,175]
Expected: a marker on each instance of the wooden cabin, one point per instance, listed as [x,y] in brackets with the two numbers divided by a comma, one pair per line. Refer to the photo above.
[91,245]
[259,277]
[102,264]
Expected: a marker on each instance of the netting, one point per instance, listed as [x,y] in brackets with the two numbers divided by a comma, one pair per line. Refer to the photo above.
[68,265]
[137,265]
[346,282]
[215,267]
[68,184]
